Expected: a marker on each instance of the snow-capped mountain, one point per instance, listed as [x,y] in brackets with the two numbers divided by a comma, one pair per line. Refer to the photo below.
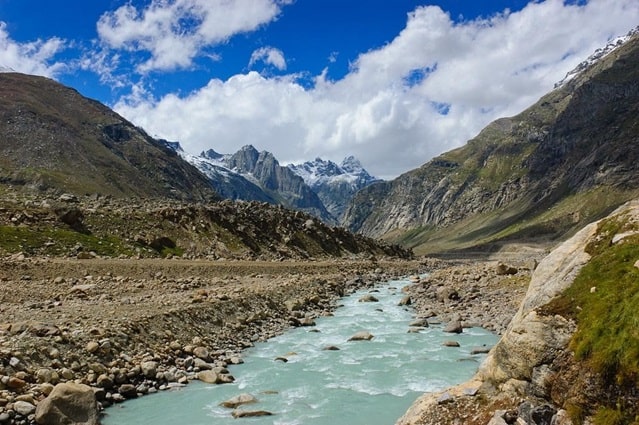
[255,176]
[334,184]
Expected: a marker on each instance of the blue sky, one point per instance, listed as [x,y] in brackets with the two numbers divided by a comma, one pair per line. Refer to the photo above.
[393,82]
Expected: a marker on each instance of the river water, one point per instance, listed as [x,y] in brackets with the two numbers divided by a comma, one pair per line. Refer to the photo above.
[364,382]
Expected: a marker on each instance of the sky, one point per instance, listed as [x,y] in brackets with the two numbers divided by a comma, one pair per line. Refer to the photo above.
[392,82]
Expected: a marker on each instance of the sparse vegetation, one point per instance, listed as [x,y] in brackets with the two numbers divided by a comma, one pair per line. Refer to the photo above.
[603,299]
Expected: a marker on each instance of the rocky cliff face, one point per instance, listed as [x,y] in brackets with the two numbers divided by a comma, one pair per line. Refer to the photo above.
[334,184]
[54,139]
[535,368]
[563,162]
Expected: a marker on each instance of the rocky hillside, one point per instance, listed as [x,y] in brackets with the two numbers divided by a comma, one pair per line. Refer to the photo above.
[100,226]
[570,158]
[334,184]
[570,354]
[53,139]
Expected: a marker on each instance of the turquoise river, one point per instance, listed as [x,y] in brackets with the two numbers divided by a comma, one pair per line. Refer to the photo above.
[364,382]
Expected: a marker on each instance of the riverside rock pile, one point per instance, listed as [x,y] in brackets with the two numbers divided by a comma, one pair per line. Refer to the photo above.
[473,293]
[127,328]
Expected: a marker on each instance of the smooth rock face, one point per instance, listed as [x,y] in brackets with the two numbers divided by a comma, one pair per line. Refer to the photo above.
[531,339]
[68,404]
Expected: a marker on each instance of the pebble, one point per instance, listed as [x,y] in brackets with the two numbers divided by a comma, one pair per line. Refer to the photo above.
[24,408]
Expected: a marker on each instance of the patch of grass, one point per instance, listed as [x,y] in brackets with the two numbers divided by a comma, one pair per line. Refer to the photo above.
[608,416]
[603,299]
[608,331]
[56,241]
[175,251]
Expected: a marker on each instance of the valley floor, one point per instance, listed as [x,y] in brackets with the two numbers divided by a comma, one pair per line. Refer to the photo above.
[97,321]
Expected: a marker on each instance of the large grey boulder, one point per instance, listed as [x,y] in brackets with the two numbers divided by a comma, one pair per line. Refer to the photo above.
[68,404]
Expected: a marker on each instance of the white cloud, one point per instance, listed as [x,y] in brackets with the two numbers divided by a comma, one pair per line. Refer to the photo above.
[174,32]
[270,56]
[429,90]
[36,57]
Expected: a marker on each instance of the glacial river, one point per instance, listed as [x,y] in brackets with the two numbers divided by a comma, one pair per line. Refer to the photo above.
[364,382]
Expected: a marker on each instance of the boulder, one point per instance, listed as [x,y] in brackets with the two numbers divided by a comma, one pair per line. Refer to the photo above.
[68,404]
[149,368]
[208,376]
[250,413]
[368,298]
[128,391]
[362,336]
[419,323]
[331,348]
[405,301]
[202,353]
[454,326]
[307,321]
[238,400]
[504,269]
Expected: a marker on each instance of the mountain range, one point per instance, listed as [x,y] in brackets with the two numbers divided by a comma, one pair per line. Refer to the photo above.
[321,187]
[538,176]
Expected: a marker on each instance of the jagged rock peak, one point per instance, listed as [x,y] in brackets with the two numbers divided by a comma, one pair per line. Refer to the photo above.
[351,164]
[174,146]
[211,154]
[319,171]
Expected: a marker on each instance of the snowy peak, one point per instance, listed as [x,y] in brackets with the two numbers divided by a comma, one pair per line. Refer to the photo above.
[334,184]
[598,55]
[212,155]
[319,171]
[174,146]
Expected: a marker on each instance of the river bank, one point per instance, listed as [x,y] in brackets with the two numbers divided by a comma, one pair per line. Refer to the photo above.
[130,327]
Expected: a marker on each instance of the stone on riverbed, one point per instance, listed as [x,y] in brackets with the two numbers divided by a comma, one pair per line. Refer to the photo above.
[250,413]
[362,336]
[454,326]
[208,376]
[23,408]
[419,323]
[68,403]
[239,400]
[368,298]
